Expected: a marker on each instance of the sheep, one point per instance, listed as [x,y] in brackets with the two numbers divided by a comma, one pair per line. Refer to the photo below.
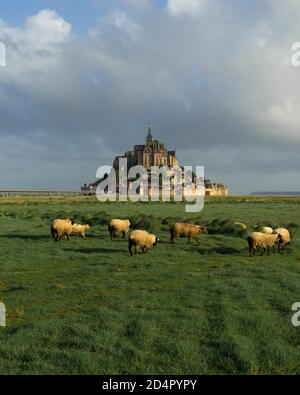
[141,239]
[262,241]
[267,229]
[80,229]
[285,238]
[61,228]
[118,226]
[186,230]
[241,225]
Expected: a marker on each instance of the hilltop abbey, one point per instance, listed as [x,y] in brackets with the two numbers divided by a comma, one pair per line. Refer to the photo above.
[154,153]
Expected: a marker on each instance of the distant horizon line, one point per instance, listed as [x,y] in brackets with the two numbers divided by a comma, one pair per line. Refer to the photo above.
[279,193]
[78,190]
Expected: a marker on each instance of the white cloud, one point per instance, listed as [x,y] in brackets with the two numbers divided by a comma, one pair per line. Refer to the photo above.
[122,22]
[185,7]
[47,28]
[36,48]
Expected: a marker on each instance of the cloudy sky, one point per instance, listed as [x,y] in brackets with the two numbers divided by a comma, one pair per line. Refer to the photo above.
[82,77]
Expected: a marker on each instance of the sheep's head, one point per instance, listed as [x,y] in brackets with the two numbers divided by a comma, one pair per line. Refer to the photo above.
[87,226]
[202,229]
[156,241]
[279,239]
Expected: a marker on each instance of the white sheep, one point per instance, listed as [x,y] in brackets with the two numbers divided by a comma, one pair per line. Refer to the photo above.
[262,241]
[141,239]
[241,225]
[118,226]
[80,229]
[267,229]
[61,228]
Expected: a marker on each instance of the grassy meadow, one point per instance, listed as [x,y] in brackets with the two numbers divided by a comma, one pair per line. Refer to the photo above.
[88,307]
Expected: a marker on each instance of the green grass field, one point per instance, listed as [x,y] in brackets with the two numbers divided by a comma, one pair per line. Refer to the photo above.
[87,307]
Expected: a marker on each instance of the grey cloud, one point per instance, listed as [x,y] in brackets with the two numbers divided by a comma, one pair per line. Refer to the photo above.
[219,87]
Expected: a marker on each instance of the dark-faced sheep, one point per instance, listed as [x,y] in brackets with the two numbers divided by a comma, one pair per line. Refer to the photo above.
[141,239]
[61,228]
[258,241]
[285,238]
[118,226]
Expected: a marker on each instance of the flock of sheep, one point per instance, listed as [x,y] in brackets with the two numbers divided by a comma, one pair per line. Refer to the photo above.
[139,239]
[258,242]
[268,238]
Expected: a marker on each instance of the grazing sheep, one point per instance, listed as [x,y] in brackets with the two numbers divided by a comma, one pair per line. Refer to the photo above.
[285,238]
[186,230]
[141,239]
[118,226]
[241,225]
[261,241]
[267,229]
[61,228]
[80,229]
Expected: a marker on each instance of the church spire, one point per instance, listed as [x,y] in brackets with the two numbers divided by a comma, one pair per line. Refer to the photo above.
[149,134]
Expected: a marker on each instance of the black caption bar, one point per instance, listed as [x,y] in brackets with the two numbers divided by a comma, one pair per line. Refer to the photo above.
[86,385]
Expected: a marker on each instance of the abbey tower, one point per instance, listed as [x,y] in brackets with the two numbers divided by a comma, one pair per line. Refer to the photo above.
[153,153]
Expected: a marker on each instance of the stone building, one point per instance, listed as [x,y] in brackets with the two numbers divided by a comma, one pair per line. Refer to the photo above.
[215,189]
[153,153]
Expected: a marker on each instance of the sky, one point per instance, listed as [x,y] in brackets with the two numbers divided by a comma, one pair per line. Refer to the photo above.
[215,76]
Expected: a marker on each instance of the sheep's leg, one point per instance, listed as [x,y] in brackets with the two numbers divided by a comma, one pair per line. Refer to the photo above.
[130,246]
[123,233]
[197,240]
[189,239]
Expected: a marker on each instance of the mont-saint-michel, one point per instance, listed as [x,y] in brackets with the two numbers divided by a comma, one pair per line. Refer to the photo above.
[154,153]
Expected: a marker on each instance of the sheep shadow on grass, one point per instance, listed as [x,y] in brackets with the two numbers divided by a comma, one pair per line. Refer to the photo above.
[25,237]
[99,250]
[223,250]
